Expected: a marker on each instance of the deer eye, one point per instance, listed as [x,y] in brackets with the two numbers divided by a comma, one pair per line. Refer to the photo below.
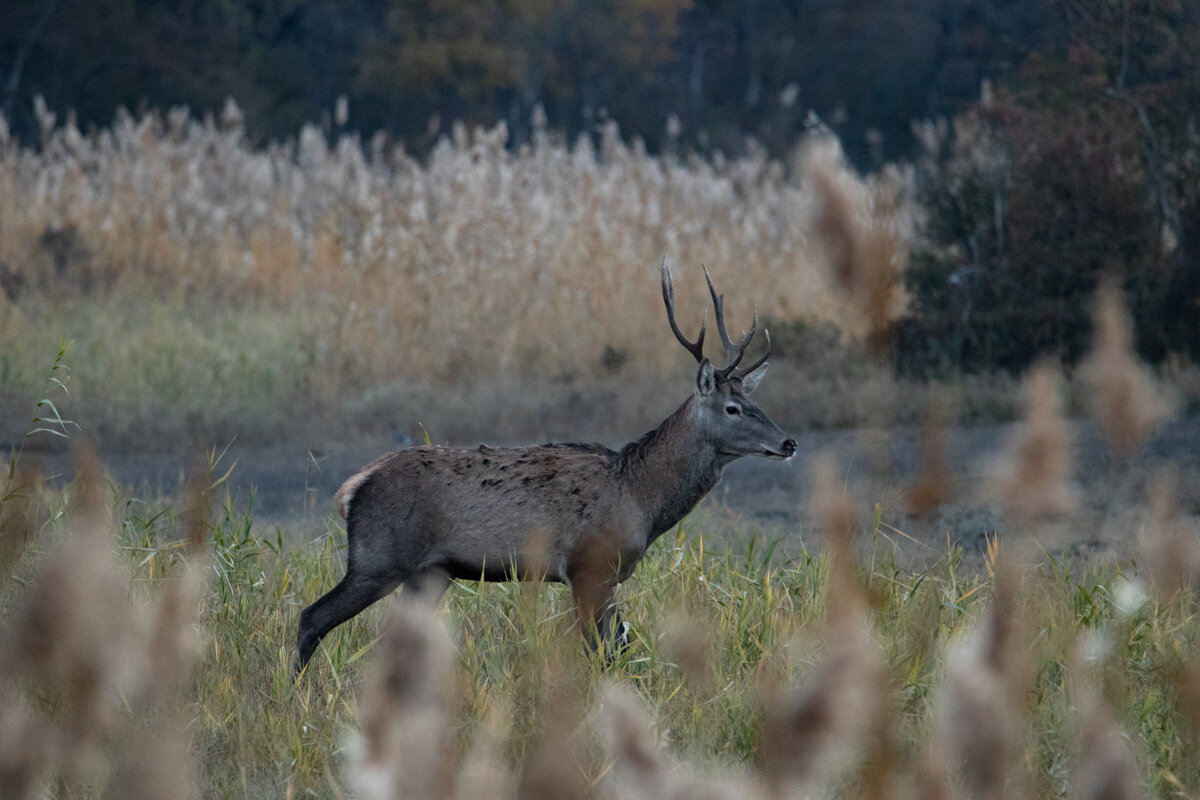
[733,410]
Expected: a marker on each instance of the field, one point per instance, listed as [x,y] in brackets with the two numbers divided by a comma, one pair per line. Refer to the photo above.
[138,665]
[167,287]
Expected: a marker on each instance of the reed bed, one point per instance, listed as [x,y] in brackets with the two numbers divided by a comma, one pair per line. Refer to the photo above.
[194,270]
[136,665]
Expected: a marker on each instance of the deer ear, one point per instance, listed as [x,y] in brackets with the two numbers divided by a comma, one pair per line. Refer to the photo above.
[750,381]
[706,379]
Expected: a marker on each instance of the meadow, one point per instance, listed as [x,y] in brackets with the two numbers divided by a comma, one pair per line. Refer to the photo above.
[168,284]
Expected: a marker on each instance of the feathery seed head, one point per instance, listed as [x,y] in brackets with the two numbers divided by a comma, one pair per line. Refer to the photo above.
[1033,478]
[405,745]
[1126,400]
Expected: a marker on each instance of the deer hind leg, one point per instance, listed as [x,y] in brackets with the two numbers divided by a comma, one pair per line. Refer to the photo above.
[348,598]
[353,595]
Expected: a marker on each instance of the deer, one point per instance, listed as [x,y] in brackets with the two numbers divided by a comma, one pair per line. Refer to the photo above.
[578,514]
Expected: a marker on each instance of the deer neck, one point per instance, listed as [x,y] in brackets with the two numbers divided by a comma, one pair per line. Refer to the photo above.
[670,469]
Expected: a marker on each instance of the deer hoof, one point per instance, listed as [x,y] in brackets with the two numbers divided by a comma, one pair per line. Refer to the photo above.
[624,637]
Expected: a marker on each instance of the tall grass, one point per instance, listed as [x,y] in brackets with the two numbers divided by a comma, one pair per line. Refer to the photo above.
[753,672]
[194,270]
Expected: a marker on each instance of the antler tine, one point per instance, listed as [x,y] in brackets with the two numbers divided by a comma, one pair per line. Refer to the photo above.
[733,352]
[741,373]
[696,348]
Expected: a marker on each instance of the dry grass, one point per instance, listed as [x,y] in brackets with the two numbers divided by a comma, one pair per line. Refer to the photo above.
[208,286]
[139,666]
[176,255]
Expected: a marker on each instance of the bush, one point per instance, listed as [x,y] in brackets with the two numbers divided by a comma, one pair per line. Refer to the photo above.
[1027,210]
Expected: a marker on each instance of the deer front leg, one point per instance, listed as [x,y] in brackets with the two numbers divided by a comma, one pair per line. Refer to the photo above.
[595,605]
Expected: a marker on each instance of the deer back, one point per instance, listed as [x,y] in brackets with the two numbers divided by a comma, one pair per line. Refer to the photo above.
[481,509]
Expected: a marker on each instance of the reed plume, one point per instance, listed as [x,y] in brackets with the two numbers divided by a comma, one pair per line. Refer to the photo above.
[554,764]
[814,732]
[931,488]
[1125,399]
[405,745]
[485,771]
[642,770]
[70,636]
[689,642]
[1169,546]
[18,515]
[112,666]
[930,777]
[26,750]
[1104,766]
[859,228]
[981,722]
[1032,479]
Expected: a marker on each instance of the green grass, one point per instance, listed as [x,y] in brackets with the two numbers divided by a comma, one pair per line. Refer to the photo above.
[253,734]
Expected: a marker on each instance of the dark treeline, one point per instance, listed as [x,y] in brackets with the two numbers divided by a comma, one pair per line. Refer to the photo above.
[724,69]
[1066,147]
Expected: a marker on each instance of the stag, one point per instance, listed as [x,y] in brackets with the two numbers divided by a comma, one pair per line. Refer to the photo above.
[578,514]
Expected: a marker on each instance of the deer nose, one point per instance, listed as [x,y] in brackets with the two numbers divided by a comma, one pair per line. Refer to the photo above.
[789,447]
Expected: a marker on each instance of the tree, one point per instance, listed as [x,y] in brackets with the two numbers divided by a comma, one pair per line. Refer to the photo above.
[1087,167]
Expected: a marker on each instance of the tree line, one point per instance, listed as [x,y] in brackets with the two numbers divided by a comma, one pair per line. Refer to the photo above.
[722,69]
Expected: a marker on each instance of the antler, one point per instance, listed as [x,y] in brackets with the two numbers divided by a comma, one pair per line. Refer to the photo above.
[733,351]
[744,371]
[695,348]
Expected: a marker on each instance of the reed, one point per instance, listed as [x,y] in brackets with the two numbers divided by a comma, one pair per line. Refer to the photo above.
[812,675]
[145,644]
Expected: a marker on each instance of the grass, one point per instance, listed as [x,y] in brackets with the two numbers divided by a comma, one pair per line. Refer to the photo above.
[145,643]
[205,282]
[716,636]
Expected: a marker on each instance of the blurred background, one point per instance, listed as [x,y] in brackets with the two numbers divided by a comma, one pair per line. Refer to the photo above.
[723,70]
[241,214]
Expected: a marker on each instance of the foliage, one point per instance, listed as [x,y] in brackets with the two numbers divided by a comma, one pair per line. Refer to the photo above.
[1086,166]
[721,70]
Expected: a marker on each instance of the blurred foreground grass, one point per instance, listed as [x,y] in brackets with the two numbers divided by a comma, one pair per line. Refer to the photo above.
[730,650]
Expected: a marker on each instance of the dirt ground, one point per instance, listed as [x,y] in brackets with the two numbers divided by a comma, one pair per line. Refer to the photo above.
[292,486]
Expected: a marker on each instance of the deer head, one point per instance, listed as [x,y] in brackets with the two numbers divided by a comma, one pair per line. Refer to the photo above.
[722,409]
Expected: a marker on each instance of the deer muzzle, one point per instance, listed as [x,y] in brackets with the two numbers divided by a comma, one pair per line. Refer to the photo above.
[786,449]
